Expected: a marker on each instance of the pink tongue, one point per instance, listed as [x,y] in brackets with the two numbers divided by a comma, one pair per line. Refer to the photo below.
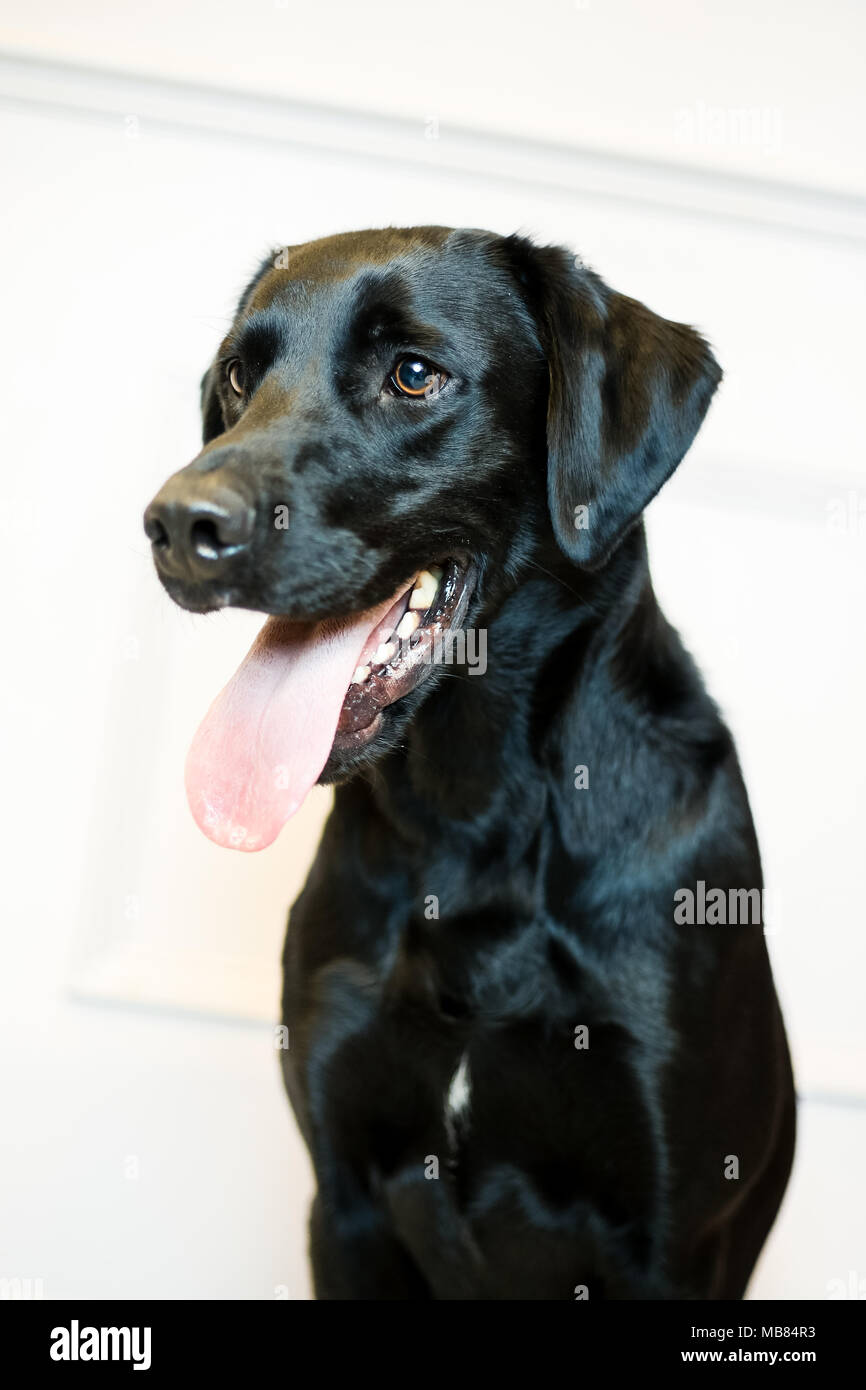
[267,735]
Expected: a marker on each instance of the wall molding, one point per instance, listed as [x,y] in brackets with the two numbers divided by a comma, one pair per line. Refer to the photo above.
[208,111]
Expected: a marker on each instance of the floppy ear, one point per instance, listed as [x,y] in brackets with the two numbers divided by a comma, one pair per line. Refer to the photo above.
[212,422]
[628,392]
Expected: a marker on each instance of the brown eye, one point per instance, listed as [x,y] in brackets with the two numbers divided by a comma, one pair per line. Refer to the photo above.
[412,376]
[236,377]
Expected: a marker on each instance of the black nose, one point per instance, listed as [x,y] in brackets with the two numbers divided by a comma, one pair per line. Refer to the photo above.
[197,527]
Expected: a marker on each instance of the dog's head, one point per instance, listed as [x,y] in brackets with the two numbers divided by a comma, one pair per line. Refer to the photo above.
[397,423]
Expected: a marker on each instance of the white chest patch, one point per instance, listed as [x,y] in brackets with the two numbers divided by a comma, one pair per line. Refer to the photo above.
[459,1091]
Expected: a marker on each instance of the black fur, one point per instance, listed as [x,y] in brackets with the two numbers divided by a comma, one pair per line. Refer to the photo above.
[605,1167]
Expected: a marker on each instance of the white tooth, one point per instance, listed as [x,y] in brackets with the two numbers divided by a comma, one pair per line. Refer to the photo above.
[425,590]
[361,674]
[384,653]
[408,624]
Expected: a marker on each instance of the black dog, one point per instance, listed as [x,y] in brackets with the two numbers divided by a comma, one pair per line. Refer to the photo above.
[522,1072]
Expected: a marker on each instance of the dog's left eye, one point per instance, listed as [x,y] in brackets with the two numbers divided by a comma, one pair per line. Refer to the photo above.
[412,376]
[236,377]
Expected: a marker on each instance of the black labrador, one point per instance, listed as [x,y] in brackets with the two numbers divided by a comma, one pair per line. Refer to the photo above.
[534,1043]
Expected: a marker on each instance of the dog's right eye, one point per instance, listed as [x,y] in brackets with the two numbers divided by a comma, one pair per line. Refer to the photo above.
[413,376]
[236,377]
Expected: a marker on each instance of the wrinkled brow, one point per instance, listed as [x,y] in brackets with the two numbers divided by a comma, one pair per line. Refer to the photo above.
[260,338]
[382,312]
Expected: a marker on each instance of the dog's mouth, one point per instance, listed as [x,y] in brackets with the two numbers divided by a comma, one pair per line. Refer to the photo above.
[403,649]
[307,690]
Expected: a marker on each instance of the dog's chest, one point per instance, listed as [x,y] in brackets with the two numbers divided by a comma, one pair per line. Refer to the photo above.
[458,1027]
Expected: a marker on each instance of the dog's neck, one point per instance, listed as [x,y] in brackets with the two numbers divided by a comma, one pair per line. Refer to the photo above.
[439,781]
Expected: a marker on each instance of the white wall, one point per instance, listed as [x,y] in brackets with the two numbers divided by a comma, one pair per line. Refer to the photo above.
[148,1148]
[762,87]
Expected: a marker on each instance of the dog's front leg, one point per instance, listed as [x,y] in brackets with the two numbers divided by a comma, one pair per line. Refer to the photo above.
[354,1255]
